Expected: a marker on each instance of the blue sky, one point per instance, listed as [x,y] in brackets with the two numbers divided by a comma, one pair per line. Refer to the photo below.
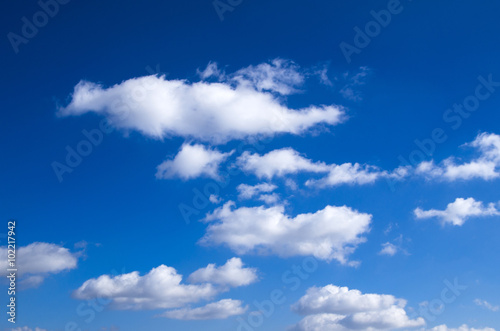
[262,150]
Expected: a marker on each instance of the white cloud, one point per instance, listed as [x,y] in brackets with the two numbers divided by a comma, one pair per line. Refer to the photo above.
[279,162]
[248,192]
[350,90]
[280,76]
[338,308]
[330,233]
[193,161]
[485,166]
[286,161]
[333,299]
[459,211]
[486,304]
[355,174]
[461,328]
[231,274]
[214,199]
[162,287]
[241,105]
[37,260]
[31,282]
[388,249]
[216,310]
[212,70]
[269,199]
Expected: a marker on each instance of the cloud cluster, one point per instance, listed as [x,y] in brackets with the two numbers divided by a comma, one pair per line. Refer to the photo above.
[193,161]
[459,211]
[328,234]
[341,309]
[162,287]
[37,260]
[485,166]
[237,106]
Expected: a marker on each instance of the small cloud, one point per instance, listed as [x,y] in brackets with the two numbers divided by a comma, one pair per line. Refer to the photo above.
[350,90]
[193,161]
[215,199]
[211,70]
[486,304]
[388,249]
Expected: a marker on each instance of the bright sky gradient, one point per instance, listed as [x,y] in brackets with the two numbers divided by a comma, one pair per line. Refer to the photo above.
[252,165]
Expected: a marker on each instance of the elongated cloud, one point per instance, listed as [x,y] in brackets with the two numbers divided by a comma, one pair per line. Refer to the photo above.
[459,211]
[485,166]
[216,310]
[248,191]
[330,233]
[162,287]
[339,308]
[287,161]
[244,104]
[486,304]
[192,161]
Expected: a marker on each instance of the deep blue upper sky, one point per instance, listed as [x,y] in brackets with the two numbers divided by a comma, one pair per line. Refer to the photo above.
[427,59]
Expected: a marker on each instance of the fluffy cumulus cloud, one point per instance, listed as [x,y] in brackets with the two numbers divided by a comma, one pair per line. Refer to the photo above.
[246,103]
[231,274]
[286,161]
[193,161]
[216,310]
[339,308]
[162,287]
[485,166]
[37,260]
[330,233]
[459,211]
